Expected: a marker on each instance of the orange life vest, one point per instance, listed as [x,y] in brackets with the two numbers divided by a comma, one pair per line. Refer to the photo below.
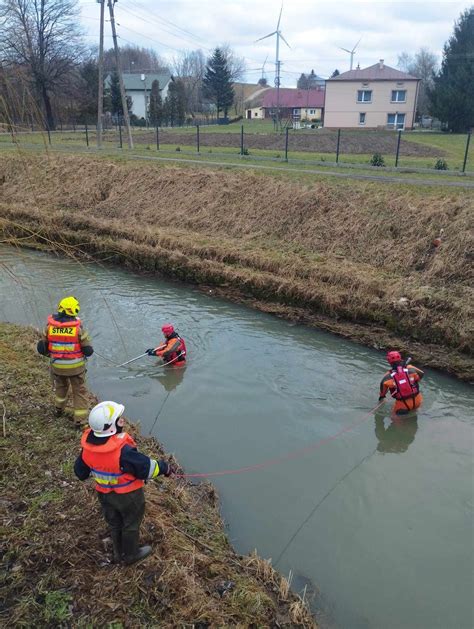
[104,461]
[64,343]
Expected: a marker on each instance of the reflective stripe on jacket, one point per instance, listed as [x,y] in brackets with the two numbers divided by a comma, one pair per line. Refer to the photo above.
[104,463]
[64,343]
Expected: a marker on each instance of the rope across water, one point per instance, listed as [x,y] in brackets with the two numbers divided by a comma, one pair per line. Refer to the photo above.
[287,457]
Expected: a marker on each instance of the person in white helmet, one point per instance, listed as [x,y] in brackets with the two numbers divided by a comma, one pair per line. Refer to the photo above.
[110,456]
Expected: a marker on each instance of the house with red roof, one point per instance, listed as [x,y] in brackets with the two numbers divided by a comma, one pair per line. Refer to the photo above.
[293,104]
[377,97]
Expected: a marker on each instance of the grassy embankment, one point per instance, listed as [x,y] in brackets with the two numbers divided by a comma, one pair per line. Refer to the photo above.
[56,568]
[354,258]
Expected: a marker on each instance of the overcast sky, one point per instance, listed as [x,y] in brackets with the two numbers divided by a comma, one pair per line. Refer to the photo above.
[314,30]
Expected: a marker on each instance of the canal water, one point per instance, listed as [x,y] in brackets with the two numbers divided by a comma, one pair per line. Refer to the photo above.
[376,523]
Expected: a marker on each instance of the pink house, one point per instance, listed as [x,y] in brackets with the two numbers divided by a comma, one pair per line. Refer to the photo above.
[294,104]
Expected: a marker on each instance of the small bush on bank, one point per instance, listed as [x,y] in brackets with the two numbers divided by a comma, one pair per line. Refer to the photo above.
[441,164]
[377,160]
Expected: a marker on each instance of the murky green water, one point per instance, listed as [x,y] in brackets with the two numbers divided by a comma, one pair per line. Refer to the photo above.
[377,522]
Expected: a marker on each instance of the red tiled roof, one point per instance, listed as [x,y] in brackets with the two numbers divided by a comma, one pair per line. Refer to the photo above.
[378,71]
[294,98]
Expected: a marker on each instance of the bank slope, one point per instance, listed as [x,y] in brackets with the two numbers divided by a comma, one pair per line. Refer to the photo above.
[56,569]
[385,265]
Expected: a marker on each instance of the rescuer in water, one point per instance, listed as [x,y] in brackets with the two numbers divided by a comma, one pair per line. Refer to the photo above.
[111,457]
[68,345]
[402,382]
[173,350]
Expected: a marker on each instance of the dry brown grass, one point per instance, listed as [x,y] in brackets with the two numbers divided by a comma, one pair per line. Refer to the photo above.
[56,568]
[360,253]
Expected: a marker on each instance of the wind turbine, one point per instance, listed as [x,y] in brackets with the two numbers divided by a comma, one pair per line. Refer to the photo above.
[279,35]
[351,52]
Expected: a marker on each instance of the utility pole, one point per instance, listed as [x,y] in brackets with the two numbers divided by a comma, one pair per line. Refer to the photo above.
[100,103]
[119,72]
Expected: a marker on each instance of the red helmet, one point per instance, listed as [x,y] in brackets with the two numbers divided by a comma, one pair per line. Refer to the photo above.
[167,329]
[394,357]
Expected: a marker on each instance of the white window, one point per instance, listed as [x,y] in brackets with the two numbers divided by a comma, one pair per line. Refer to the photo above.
[364,96]
[396,121]
[362,118]
[399,96]
[312,112]
[296,112]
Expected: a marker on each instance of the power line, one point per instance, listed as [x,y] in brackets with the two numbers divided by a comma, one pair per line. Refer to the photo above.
[161,18]
[151,21]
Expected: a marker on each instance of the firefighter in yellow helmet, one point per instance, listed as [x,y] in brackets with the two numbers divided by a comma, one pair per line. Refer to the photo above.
[68,345]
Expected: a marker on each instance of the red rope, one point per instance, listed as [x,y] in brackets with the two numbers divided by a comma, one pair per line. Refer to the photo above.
[287,457]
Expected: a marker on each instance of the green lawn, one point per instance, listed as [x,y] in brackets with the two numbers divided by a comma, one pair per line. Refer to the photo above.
[453,144]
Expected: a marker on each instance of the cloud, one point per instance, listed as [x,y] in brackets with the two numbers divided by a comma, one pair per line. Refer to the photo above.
[315,31]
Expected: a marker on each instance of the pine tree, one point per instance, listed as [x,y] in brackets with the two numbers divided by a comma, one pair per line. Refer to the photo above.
[115,96]
[307,82]
[217,82]
[452,95]
[174,108]
[155,107]
[335,73]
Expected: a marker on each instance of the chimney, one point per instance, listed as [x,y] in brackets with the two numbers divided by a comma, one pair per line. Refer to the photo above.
[381,64]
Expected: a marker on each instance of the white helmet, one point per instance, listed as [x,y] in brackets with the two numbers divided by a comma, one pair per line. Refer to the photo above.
[103,418]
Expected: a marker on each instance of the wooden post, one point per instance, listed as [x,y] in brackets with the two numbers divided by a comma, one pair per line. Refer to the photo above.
[286,145]
[100,101]
[119,72]
[338,144]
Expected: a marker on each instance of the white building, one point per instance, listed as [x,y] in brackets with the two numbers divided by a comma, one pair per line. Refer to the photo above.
[138,87]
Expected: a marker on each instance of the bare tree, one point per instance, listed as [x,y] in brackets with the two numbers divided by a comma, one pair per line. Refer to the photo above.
[44,37]
[423,65]
[236,65]
[135,59]
[190,67]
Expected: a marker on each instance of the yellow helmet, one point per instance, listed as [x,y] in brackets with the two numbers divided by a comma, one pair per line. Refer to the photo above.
[69,305]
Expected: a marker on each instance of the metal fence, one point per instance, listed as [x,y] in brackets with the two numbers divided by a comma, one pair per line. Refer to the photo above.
[360,149]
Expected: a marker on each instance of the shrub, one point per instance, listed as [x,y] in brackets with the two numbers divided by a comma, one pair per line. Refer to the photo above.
[377,160]
[178,148]
[441,164]
[245,152]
